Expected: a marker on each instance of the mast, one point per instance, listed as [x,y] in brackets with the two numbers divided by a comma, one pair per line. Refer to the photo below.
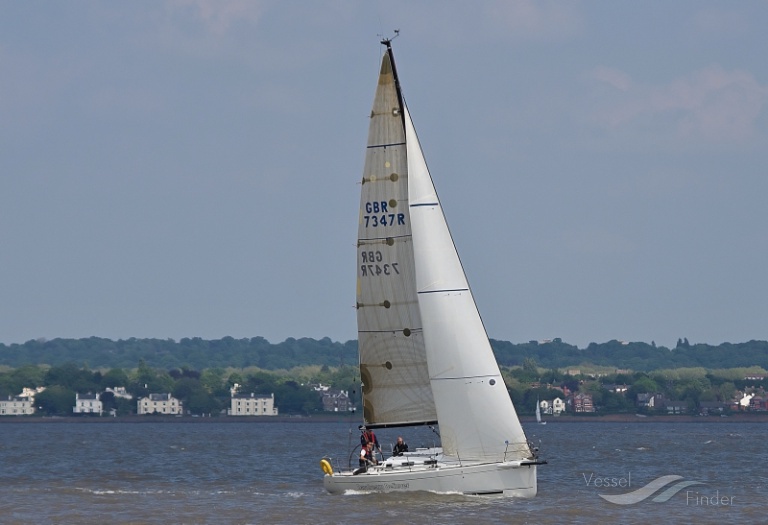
[388,42]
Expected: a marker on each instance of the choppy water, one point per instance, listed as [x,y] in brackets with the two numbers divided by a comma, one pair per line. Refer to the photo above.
[251,473]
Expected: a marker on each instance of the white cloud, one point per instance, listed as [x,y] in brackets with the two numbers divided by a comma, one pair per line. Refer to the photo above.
[613,77]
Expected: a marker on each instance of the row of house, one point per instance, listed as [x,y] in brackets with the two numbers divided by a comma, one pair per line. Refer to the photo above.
[166,404]
[240,404]
[755,401]
[578,403]
[21,405]
[251,404]
[582,403]
[660,403]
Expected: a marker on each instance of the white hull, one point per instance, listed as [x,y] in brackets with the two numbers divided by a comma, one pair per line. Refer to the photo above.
[510,479]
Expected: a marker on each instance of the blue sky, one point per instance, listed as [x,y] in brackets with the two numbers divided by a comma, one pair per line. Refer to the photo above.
[190,168]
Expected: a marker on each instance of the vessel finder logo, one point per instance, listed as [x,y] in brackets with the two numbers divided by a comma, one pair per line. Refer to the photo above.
[672,483]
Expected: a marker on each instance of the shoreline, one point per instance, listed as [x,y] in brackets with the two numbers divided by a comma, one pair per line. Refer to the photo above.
[641,418]
[322,418]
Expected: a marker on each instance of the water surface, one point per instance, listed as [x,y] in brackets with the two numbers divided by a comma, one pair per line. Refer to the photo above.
[252,472]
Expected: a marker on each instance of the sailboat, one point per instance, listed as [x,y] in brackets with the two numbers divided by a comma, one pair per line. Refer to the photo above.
[425,357]
[538,413]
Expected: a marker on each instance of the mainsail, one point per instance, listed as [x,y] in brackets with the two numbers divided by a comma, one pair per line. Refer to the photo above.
[393,367]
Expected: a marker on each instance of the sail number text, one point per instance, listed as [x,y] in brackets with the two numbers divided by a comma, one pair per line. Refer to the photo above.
[378,214]
[373,264]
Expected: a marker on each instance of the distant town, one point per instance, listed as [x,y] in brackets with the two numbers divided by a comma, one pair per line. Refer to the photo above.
[67,391]
[308,377]
[165,404]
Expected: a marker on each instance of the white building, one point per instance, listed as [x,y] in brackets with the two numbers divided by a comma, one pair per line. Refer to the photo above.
[252,405]
[17,406]
[744,402]
[31,392]
[554,407]
[160,404]
[87,404]
[119,391]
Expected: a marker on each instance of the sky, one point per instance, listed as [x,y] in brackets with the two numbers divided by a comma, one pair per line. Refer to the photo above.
[191,168]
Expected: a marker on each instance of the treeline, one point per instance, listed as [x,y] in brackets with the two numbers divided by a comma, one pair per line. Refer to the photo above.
[196,353]
[640,357]
[203,392]
[207,392]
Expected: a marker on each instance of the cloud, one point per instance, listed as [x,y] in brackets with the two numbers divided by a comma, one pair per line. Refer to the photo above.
[712,104]
[613,77]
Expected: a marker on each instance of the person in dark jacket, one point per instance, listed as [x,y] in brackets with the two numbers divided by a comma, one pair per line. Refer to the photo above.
[400,447]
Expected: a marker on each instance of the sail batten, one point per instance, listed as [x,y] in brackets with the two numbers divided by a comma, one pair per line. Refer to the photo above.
[445,290]
[386,145]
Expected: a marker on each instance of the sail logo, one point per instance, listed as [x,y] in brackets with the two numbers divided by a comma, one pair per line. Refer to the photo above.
[660,490]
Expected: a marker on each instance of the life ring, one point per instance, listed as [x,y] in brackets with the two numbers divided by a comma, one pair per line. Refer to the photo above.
[326,466]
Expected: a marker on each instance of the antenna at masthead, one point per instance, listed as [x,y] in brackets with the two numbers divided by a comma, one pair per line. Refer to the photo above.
[388,41]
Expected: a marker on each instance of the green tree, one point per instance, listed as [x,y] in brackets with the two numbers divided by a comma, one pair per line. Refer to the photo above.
[115,377]
[74,378]
[150,381]
[12,382]
[145,375]
[108,402]
[30,376]
[195,397]
[726,391]
[201,402]
[56,400]
[235,379]
[529,366]
[615,402]
[645,385]
[213,381]
[260,383]
[124,407]
[293,398]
